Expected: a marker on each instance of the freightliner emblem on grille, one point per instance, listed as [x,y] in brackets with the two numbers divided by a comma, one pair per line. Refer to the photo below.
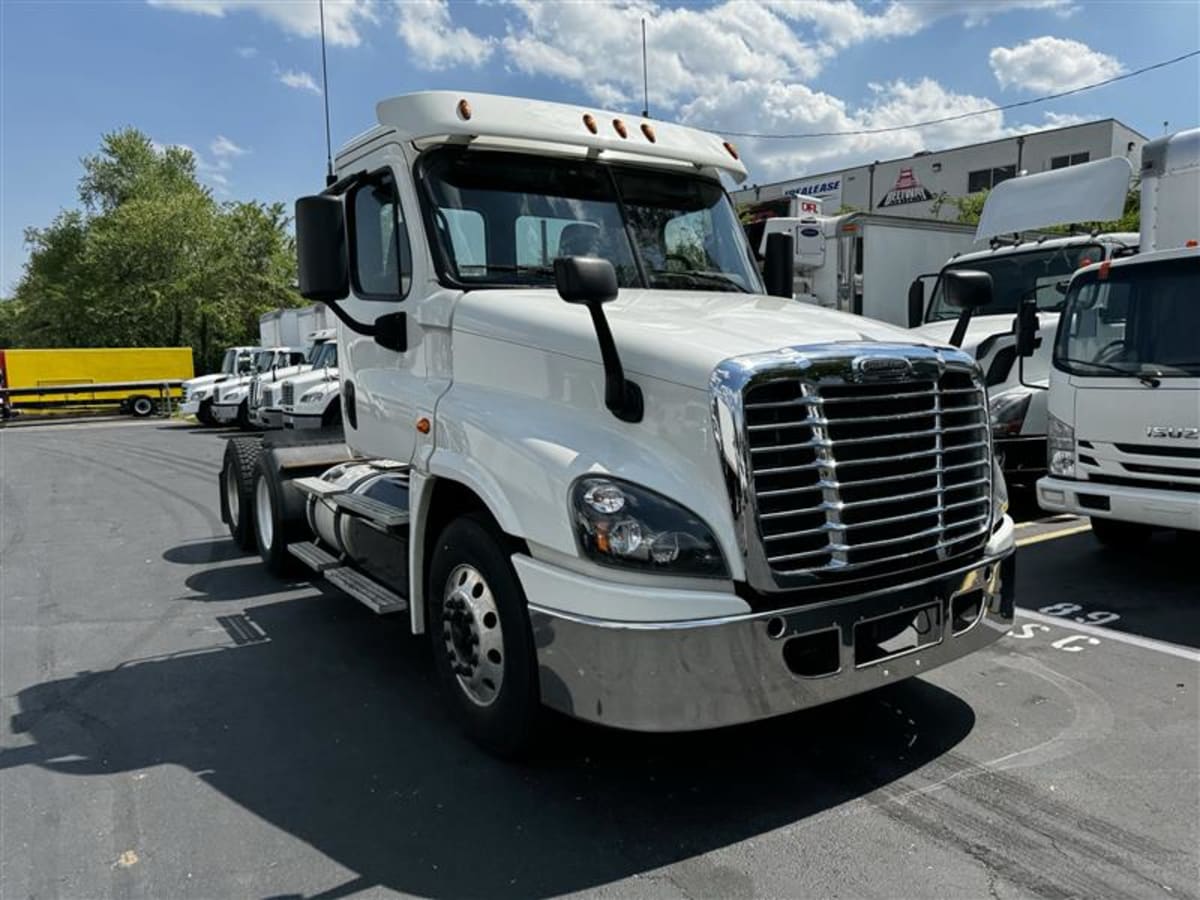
[870,368]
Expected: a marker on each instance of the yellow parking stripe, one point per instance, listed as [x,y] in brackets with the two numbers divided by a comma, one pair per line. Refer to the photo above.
[1051,535]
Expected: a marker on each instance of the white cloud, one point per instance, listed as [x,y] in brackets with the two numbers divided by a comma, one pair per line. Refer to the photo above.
[223,148]
[1047,64]
[301,81]
[432,39]
[247,52]
[344,19]
[213,172]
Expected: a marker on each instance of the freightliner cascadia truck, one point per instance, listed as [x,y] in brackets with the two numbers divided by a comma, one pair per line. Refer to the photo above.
[588,456]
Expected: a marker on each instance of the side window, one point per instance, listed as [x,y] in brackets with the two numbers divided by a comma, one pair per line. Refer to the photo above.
[381,264]
[297,359]
[539,237]
[464,228]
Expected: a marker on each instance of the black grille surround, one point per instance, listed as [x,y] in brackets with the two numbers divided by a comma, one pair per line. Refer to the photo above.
[848,478]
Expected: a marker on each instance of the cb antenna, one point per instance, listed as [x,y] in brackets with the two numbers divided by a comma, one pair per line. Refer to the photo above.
[329,176]
[645,77]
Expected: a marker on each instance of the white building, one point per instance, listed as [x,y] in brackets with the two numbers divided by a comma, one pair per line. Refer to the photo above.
[923,185]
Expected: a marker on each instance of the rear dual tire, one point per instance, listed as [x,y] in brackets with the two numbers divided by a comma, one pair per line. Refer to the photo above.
[273,528]
[237,489]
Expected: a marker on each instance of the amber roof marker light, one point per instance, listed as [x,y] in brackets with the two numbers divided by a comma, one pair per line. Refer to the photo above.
[731,150]
[648,131]
[464,109]
[590,121]
[620,128]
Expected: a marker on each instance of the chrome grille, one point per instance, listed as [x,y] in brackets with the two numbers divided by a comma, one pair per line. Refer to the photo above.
[848,475]
[255,391]
[287,394]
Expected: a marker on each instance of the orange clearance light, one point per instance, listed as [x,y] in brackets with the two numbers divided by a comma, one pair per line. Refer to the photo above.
[731,150]
[648,132]
[590,121]
[464,110]
[1191,242]
[423,425]
[620,128]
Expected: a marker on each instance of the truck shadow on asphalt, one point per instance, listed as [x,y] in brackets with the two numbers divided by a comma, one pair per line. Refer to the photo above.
[325,721]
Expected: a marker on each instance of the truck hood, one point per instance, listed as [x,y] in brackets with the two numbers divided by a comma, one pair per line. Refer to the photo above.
[979,330]
[678,336]
[303,382]
[203,381]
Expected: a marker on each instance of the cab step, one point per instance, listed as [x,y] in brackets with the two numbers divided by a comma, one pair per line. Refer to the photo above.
[366,590]
[383,514]
[316,558]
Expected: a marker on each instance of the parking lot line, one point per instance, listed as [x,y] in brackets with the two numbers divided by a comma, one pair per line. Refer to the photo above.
[1051,535]
[1110,634]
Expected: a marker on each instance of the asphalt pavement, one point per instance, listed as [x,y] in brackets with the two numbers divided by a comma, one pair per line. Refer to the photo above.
[176,723]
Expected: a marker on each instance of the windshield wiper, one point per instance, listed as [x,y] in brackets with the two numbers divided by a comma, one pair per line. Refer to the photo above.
[718,279]
[1145,378]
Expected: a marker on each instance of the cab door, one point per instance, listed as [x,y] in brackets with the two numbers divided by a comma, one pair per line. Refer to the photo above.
[385,390]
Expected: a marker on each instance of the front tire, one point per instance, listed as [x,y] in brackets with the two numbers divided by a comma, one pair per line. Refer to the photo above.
[243,417]
[332,417]
[482,642]
[204,414]
[237,489]
[1119,535]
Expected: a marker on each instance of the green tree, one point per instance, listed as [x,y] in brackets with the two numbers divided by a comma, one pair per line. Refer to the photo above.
[152,259]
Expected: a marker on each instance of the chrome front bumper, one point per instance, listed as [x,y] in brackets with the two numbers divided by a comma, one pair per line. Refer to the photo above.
[706,673]
[225,413]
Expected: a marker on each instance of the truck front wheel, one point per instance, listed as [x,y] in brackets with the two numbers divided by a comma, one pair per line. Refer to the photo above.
[237,489]
[482,642]
[1119,535]
[204,414]
[243,417]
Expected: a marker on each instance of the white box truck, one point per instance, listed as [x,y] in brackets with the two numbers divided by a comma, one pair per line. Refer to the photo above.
[1124,426]
[587,455]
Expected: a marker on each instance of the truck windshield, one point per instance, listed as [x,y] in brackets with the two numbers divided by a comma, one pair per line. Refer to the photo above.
[263,360]
[235,363]
[1035,273]
[323,355]
[501,219]
[1143,319]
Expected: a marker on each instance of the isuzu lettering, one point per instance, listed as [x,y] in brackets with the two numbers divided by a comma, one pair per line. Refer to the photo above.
[588,456]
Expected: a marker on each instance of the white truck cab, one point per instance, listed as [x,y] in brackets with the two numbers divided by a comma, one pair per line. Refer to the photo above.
[590,458]
[231,397]
[1124,400]
[1032,269]
[267,392]
[313,400]
[198,392]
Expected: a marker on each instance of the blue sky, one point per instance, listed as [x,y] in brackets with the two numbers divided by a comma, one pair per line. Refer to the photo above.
[238,80]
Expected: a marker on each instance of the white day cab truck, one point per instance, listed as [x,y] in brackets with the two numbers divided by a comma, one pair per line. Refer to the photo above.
[314,399]
[198,392]
[1124,445]
[231,397]
[269,391]
[1025,268]
[588,456]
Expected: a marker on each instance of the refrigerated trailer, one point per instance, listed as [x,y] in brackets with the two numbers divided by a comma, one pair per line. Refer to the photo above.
[587,455]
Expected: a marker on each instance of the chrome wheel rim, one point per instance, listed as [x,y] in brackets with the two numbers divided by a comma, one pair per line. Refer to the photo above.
[472,634]
[233,500]
[262,514]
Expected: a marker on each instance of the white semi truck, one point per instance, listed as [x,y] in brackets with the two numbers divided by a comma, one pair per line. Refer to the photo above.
[231,397]
[590,458]
[1124,427]
[267,389]
[1025,268]
[314,399]
[198,392]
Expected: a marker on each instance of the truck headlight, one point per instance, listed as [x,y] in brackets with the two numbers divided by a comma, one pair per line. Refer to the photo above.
[1060,448]
[199,394]
[1007,411]
[233,395]
[621,524]
[315,394]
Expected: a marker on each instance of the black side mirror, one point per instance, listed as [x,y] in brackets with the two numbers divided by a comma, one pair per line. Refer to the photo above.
[592,282]
[1026,328]
[777,268]
[324,272]
[967,288]
[585,279]
[916,302]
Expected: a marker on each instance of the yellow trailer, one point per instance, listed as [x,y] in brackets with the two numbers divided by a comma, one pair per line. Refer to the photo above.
[135,379]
